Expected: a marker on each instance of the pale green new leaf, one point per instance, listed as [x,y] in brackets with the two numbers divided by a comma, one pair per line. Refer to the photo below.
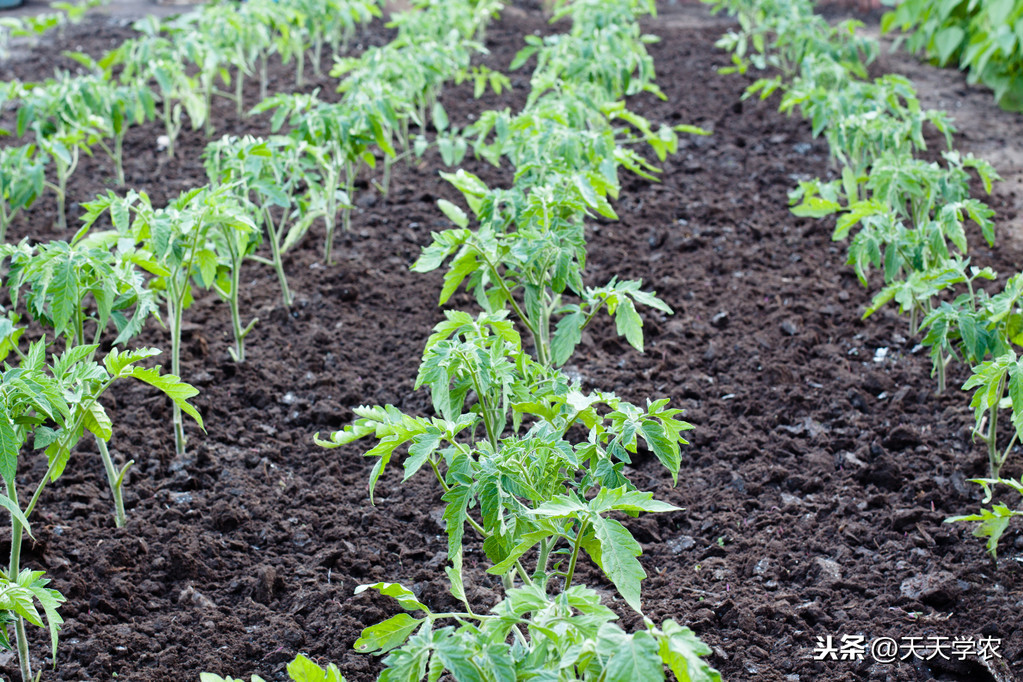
[681,649]
[405,597]
[302,669]
[391,633]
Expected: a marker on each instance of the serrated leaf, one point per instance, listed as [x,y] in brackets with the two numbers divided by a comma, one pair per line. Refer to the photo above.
[632,657]
[629,324]
[387,635]
[9,448]
[680,650]
[618,552]
[97,421]
[178,391]
[405,597]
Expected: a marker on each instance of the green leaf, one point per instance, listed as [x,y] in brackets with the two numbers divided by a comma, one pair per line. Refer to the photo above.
[304,670]
[455,515]
[815,207]
[456,657]
[453,212]
[632,657]
[665,449]
[629,323]
[947,40]
[526,543]
[387,635]
[15,511]
[680,650]
[618,552]
[97,421]
[440,118]
[629,501]
[9,448]
[178,391]
[993,523]
[405,597]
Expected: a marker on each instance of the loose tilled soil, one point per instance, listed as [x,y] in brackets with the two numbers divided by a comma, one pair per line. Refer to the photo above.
[815,486]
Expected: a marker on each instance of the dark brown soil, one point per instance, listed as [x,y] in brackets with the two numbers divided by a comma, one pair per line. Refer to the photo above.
[815,486]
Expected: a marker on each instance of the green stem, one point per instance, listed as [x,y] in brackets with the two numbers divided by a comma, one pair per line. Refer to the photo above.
[24,662]
[386,186]
[994,463]
[175,313]
[168,122]
[440,479]
[583,527]
[119,157]
[5,219]
[239,97]
[240,332]
[511,299]
[207,86]
[262,76]
[63,171]
[1005,454]
[542,557]
[481,398]
[275,251]
[115,482]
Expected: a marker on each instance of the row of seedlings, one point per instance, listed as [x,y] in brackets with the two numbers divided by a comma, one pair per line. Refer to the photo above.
[502,438]
[903,215]
[153,257]
[169,73]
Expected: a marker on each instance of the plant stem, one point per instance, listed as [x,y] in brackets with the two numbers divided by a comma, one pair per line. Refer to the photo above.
[994,463]
[112,479]
[62,174]
[207,86]
[542,557]
[262,76]
[942,365]
[481,398]
[175,313]
[583,527]
[119,158]
[275,251]
[24,662]
[239,96]
[168,122]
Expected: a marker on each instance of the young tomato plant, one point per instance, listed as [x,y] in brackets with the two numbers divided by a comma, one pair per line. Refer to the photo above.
[61,281]
[993,521]
[535,490]
[61,117]
[53,406]
[531,246]
[157,59]
[340,141]
[22,181]
[277,178]
[302,669]
[179,241]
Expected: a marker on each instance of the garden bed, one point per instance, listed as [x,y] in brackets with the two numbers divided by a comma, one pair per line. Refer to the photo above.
[819,474]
